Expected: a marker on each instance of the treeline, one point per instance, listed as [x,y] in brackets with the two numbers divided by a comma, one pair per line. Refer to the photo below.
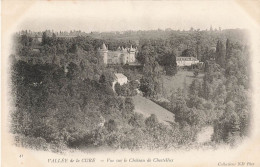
[193,42]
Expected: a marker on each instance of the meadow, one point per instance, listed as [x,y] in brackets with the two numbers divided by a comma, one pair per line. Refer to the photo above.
[181,80]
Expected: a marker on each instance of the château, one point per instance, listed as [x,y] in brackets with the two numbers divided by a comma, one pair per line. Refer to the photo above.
[120,56]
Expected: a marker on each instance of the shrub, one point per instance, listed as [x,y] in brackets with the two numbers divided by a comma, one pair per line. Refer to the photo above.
[196,72]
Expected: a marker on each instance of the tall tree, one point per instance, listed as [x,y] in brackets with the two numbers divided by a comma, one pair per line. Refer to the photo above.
[220,54]
[228,49]
[170,64]
[44,38]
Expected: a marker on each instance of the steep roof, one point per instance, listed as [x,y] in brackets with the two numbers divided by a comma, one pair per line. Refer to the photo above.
[132,49]
[120,76]
[104,47]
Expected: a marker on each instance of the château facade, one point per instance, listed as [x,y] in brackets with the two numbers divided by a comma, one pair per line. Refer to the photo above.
[120,56]
[186,61]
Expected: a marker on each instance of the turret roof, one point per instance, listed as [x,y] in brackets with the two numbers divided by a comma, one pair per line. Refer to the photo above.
[131,48]
[120,76]
[104,47]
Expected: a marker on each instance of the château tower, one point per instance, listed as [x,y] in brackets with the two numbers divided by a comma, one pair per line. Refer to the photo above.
[132,54]
[103,52]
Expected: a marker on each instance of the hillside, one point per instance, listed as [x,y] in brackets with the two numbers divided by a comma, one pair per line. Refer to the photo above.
[147,107]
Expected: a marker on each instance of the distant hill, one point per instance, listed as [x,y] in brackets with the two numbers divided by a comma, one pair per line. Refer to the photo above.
[147,107]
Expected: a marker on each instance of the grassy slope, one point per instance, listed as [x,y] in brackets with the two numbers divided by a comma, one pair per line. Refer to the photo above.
[173,83]
[147,107]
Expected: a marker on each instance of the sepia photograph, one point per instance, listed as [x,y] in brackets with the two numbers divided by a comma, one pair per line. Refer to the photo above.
[161,80]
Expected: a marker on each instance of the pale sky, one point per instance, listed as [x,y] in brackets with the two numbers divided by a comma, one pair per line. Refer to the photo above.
[135,15]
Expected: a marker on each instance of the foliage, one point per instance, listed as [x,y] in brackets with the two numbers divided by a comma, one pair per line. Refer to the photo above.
[128,89]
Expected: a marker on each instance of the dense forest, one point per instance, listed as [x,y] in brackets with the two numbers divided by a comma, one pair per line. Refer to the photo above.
[64,99]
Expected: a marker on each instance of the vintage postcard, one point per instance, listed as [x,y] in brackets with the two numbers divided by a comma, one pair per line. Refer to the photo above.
[130,83]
